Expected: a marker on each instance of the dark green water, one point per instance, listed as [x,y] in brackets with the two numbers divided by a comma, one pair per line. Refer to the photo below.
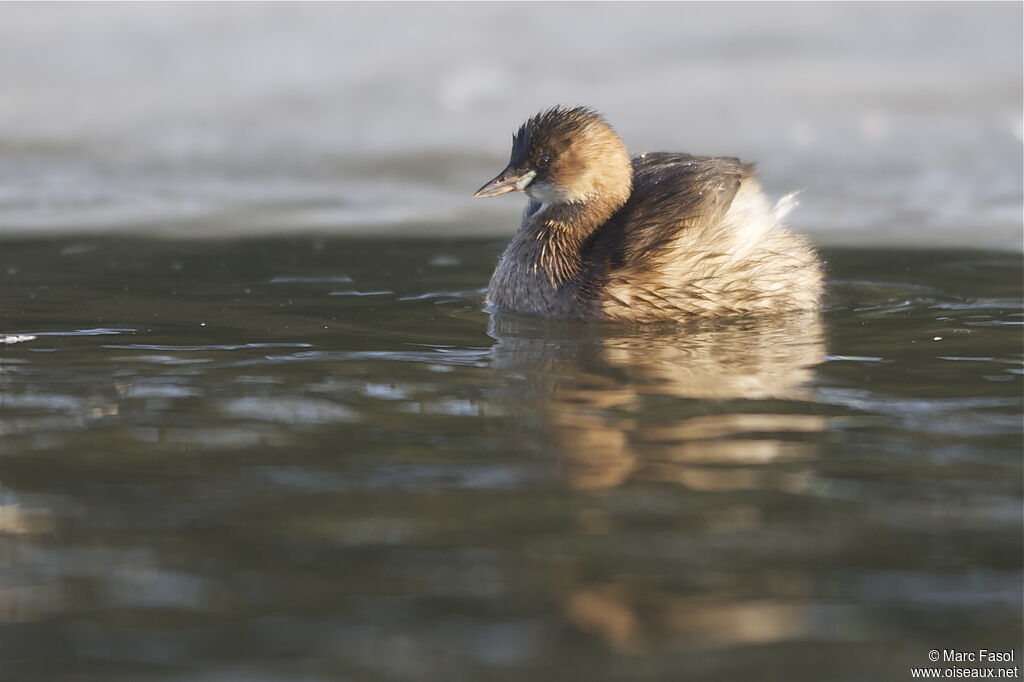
[317,459]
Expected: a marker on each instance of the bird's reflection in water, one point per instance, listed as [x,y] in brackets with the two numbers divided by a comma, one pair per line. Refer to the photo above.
[710,408]
[683,396]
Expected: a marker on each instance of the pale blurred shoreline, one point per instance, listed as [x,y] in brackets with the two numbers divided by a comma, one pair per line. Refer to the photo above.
[901,122]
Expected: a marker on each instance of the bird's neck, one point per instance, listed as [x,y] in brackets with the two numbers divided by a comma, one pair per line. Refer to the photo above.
[553,237]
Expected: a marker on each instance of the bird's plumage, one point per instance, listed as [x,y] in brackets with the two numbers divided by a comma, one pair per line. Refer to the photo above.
[660,236]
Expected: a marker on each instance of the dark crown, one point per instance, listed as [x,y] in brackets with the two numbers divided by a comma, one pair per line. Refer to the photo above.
[549,125]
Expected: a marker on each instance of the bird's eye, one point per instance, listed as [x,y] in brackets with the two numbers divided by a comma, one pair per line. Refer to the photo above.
[543,160]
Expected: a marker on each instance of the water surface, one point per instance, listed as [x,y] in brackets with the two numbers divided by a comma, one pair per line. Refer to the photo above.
[318,459]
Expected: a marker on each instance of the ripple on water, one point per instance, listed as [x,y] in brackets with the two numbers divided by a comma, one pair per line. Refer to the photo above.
[855,358]
[162,359]
[205,346]
[288,410]
[327,279]
[980,304]
[352,292]
[475,357]
[446,296]
[95,331]
[10,339]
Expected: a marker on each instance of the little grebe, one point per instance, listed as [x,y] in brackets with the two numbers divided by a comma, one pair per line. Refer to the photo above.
[661,236]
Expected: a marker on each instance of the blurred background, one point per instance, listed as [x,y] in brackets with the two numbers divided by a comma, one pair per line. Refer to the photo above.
[901,122]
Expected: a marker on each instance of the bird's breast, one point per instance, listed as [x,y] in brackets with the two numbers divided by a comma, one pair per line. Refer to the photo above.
[522,283]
